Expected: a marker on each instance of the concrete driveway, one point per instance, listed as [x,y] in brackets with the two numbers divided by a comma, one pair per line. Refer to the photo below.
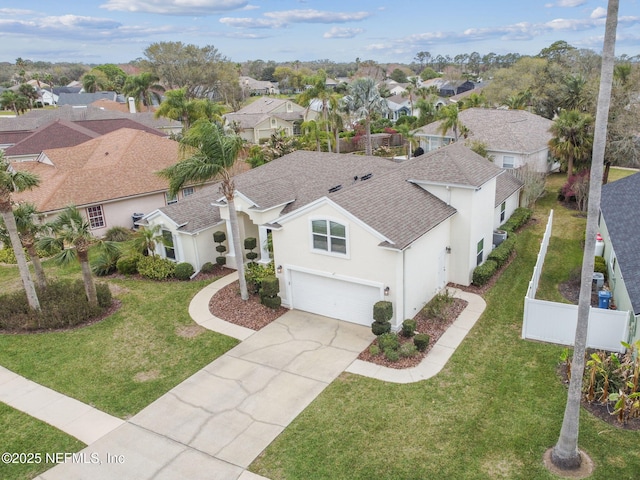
[215,423]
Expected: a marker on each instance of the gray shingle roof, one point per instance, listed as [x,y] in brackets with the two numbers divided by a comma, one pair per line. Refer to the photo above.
[196,212]
[515,131]
[619,205]
[506,185]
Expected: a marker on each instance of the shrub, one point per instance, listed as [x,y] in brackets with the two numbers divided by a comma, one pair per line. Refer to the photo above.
[208,267]
[408,350]
[388,341]
[382,311]
[271,302]
[104,295]
[270,286]
[219,236]
[156,268]
[435,307]
[7,256]
[392,355]
[421,341]
[254,273]
[221,248]
[128,264]
[483,273]
[378,328]
[221,260]
[502,252]
[118,234]
[519,217]
[409,327]
[105,263]
[250,243]
[374,350]
[600,266]
[183,271]
[252,256]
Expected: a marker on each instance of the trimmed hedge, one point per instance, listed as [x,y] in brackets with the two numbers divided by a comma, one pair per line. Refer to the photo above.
[382,311]
[128,264]
[483,273]
[184,270]
[421,341]
[519,217]
[502,252]
[378,328]
[208,267]
[409,327]
[156,268]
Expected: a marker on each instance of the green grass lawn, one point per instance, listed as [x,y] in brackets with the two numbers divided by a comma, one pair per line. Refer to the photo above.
[24,434]
[491,413]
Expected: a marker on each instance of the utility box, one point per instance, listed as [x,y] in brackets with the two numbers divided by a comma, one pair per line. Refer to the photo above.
[598,279]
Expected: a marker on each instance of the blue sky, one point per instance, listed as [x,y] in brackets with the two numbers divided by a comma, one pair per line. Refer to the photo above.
[114,31]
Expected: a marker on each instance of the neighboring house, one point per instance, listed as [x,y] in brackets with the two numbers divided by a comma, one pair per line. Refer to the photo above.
[84,99]
[61,134]
[513,137]
[111,178]
[399,106]
[619,226]
[350,230]
[260,119]
[252,87]
[452,88]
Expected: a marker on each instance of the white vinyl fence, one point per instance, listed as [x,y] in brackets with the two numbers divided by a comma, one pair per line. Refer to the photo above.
[556,322]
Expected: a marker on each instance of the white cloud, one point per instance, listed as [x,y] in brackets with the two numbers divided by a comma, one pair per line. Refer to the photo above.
[176,7]
[599,13]
[16,11]
[338,32]
[566,3]
[283,18]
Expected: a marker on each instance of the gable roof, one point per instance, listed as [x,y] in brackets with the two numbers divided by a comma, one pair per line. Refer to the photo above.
[501,130]
[113,166]
[618,199]
[268,105]
[84,98]
[506,185]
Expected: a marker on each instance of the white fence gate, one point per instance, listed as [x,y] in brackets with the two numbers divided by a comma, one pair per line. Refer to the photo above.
[556,322]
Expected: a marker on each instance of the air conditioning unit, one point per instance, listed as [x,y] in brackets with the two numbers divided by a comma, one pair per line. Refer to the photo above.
[499,236]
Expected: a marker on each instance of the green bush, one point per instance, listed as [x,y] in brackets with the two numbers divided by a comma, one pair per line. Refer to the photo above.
[7,256]
[374,350]
[105,263]
[600,266]
[421,341]
[128,264]
[483,273]
[392,355]
[436,306]
[183,271]
[519,217]
[104,295]
[270,286]
[250,243]
[221,260]
[382,311]
[502,252]
[156,268]
[219,236]
[252,256]
[378,328]
[208,267]
[408,350]
[254,273]
[221,248]
[409,327]
[388,341]
[271,302]
[118,234]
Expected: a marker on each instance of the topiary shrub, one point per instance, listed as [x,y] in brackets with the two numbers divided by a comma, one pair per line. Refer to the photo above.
[379,328]
[272,302]
[183,271]
[249,244]
[270,286]
[208,267]
[421,341]
[483,273]
[221,260]
[409,327]
[118,234]
[382,311]
[128,264]
[156,268]
[219,236]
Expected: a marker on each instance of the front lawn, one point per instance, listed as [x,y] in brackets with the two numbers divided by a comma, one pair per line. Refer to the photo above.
[491,413]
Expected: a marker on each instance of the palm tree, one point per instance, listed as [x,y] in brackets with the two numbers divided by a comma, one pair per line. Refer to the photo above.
[311,132]
[10,182]
[574,96]
[565,453]
[72,234]
[321,92]
[210,153]
[572,137]
[143,88]
[90,83]
[177,106]
[28,230]
[146,239]
[450,121]
[364,101]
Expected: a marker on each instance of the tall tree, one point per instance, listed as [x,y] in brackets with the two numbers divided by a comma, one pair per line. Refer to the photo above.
[450,121]
[364,101]
[177,106]
[12,181]
[144,89]
[565,454]
[210,153]
[572,138]
[321,92]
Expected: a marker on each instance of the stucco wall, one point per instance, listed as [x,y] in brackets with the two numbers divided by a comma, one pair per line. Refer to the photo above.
[512,203]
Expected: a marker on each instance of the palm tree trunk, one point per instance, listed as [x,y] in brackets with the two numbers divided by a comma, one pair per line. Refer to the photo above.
[565,453]
[367,146]
[23,267]
[237,246]
[337,141]
[87,278]
[41,280]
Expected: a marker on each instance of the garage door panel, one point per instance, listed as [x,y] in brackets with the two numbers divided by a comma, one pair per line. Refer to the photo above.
[331,297]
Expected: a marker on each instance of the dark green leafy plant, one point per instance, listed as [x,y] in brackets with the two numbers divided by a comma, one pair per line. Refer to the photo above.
[183,271]
[156,268]
[421,341]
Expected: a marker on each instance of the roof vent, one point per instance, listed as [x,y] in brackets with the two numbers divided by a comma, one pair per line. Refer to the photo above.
[335,189]
[366,177]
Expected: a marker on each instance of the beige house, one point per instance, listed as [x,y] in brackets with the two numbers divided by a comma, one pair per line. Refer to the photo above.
[111,179]
[513,138]
[350,230]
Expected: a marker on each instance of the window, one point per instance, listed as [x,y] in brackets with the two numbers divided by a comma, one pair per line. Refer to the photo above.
[329,236]
[169,249]
[480,251]
[508,161]
[188,191]
[503,212]
[96,217]
[170,199]
[274,122]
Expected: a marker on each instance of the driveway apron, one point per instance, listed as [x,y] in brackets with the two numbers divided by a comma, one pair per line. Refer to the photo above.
[215,423]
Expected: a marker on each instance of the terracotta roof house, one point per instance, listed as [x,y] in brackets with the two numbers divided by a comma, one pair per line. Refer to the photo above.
[513,137]
[620,231]
[350,230]
[265,116]
[111,178]
[61,133]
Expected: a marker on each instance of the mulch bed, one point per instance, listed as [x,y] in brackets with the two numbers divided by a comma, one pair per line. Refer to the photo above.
[227,305]
[434,327]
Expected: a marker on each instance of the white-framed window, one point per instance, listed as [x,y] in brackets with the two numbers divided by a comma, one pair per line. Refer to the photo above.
[503,211]
[329,236]
[169,249]
[170,199]
[188,191]
[480,252]
[508,161]
[95,216]
[274,122]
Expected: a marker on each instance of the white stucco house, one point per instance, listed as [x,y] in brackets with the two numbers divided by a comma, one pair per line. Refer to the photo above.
[349,230]
[513,138]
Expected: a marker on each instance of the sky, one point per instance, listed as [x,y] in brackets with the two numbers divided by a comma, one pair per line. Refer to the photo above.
[386,31]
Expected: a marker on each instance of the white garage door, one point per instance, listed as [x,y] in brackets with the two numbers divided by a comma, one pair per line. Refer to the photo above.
[335,298]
